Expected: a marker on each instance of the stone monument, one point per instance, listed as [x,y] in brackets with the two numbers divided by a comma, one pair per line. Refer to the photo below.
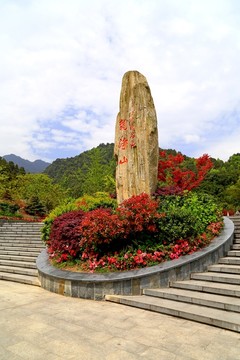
[136,139]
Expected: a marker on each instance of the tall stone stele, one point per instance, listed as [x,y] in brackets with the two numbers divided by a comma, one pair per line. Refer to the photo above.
[136,139]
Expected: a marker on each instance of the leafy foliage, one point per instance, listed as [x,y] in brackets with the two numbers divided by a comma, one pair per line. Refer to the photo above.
[175,175]
[140,213]
[138,233]
[85,203]
[8,173]
[98,200]
[186,216]
[8,209]
[87,173]
[40,185]
[222,182]
[102,230]
[58,211]
[35,207]
[64,237]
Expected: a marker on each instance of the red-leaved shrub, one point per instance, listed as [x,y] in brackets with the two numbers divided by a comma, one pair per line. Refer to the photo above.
[99,230]
[141,213]
[175,178]
[64,237]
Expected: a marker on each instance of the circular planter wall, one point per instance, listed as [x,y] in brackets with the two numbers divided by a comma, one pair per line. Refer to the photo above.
[96,286]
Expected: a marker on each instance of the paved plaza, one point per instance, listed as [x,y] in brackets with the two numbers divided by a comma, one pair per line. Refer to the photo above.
[36,324]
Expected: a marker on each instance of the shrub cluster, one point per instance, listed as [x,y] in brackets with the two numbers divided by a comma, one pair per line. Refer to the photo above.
[185,216]
[8,209]
[85,203]
[63,243]
[140,232]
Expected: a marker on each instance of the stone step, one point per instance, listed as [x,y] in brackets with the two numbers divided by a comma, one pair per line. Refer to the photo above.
[18,258]
[236,246]
[236,241]
[27,239]
[19,270]
[20,263]
[208,286]
[221,318]
[21,227]
[33,254]
[20,236]
[22,244]
[225,268]
[232,253]
[21,241]
[25,279]
[20,230]
[217,277]
[21,223]
[230,260]
[25,248]
[194,297]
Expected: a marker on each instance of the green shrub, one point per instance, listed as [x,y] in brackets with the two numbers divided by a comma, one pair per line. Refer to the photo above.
[35,207]
[8,209]
[185,216]
[96,201]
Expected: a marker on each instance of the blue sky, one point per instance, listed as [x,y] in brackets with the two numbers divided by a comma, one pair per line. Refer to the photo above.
[62,63]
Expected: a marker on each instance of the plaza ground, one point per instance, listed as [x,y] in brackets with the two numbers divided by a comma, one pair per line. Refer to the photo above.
[37,324]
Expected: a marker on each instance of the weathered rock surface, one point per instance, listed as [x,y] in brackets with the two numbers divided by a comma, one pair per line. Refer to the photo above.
[136,139]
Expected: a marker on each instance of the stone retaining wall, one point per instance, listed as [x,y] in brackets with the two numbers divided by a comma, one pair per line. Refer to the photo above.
[96,286]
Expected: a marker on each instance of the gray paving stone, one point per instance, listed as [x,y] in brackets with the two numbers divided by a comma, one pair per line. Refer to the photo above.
[70,328]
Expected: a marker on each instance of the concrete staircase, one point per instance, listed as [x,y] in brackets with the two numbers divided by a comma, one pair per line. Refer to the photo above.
[211,297]
[20,245]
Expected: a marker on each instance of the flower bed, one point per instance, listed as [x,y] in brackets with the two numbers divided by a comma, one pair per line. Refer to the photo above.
[96,285]
[141,232]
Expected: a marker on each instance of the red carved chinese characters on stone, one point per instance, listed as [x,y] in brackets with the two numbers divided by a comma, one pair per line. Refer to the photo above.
[136,139]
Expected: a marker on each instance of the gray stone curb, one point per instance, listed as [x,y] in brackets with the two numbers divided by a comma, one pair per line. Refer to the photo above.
[96,286]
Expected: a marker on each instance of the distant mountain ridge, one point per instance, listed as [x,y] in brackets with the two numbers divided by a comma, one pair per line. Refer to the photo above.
[37,166]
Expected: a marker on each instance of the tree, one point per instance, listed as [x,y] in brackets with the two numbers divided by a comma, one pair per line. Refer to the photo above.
[35,207]
[232,195]
[177,174]
[8,172]
[41,186]
[95,174]
[83,173]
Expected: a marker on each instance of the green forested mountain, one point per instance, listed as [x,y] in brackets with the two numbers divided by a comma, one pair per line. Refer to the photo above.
[223,181]
[89,172]
[36,166]
[8,172]
[94,170]
[19,191]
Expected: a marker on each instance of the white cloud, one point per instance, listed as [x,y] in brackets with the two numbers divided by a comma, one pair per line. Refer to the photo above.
[192,138]
[72,54]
